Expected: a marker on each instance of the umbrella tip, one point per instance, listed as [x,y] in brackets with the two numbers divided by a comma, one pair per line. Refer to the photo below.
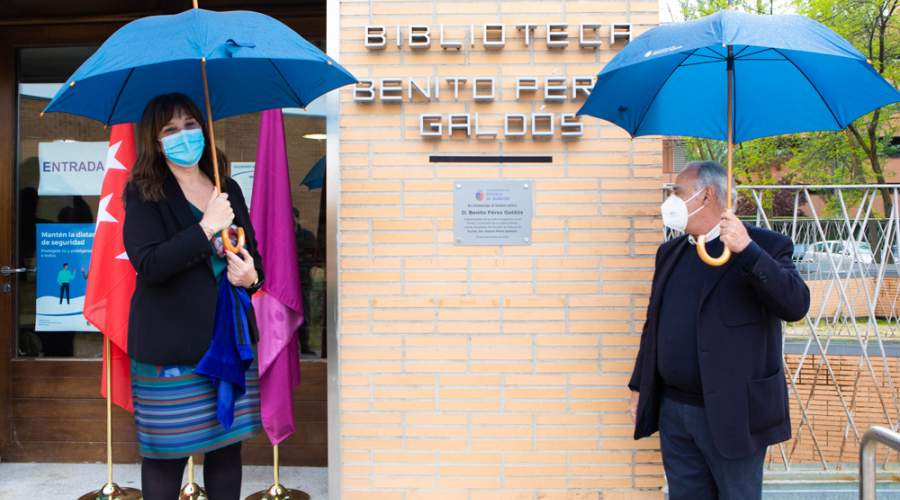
[329,63]
[72,84]
[42,113]
[105,126]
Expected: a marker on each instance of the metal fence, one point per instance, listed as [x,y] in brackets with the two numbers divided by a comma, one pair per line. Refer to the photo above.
[841,361]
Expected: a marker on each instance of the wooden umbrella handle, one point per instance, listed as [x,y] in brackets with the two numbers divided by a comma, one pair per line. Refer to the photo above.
[701,249]
[226,241]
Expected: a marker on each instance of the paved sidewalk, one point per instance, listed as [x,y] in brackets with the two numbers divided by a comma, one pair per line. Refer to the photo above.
[70,481]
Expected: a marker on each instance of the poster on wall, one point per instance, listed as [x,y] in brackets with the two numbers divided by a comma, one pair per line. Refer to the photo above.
[71,168]
[63,268]
[242,173]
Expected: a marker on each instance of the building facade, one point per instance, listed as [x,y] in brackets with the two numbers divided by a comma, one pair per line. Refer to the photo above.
[456,357]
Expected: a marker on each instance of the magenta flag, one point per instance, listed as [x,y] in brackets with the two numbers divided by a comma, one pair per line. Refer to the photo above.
[279,304]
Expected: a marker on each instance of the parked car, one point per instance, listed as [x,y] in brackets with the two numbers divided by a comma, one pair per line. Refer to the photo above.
[842,251]
[800,251]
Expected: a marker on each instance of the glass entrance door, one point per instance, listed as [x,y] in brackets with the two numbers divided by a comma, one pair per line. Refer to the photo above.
[60,165]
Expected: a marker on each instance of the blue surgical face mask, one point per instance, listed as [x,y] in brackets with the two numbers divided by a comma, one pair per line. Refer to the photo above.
[184,148]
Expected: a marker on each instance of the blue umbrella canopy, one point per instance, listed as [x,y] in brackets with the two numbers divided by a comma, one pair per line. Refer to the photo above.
[791,74]
[253,63]
[315,178]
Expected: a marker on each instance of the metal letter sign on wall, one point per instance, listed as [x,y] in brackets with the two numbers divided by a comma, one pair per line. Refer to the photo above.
[492,213]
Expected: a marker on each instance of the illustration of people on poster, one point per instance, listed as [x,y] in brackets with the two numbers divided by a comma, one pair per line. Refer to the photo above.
[63,260]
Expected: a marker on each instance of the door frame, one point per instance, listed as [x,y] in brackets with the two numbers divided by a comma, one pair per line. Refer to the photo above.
[8,119]
[332,259]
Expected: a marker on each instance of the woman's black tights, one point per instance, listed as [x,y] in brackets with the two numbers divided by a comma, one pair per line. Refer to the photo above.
[161,478]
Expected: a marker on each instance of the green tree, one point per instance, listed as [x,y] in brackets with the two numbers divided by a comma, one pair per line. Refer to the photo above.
[873,27]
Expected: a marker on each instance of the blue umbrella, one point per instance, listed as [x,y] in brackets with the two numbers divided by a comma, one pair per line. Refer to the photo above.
[734,76]
[252,61]
[237,62]
[315,178]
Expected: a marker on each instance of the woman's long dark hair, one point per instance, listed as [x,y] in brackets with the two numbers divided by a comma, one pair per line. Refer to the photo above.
[149,172]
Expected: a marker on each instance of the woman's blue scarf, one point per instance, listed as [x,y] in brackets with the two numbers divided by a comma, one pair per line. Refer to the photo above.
[230,352]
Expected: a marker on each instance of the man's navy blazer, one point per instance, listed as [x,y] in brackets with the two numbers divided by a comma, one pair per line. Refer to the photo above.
[739,344]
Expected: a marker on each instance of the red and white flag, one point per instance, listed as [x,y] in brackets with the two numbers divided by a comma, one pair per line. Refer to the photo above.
[111,277]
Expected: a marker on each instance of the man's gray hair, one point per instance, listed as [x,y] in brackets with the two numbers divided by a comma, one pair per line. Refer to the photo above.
[712,174]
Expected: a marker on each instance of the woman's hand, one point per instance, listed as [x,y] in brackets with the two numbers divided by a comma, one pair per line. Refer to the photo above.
[241,271]
[218,214]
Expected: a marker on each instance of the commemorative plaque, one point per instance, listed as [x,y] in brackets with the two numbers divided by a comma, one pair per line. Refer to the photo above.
[492,213]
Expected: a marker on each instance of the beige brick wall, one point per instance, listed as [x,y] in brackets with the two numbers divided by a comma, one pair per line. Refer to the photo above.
[491,372]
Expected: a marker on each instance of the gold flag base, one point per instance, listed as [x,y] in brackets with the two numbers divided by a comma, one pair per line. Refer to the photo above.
[192,492]
[112,491]
[279,492]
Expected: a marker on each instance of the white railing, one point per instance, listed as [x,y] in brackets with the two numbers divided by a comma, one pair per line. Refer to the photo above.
[870,440]
[841,360]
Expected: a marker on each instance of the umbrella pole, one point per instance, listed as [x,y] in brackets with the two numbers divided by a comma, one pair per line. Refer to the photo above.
[212,142]
[111,489]
[730,180]
[701,241]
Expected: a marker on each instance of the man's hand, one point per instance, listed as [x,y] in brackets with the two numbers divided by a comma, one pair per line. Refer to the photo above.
[733,233]
[632,406]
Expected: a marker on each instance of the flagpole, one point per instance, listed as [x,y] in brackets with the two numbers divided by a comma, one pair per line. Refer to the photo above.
[191,491]
[277,491]
[110,489]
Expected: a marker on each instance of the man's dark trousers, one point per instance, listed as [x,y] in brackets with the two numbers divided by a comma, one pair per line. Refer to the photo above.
[694,467]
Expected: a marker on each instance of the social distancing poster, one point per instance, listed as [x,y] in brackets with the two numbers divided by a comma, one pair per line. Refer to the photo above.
[63,268]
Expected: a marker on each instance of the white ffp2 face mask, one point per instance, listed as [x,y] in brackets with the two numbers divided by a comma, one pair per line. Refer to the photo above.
[675,212]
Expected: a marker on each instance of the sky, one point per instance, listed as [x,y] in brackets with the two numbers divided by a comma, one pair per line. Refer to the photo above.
[670,8]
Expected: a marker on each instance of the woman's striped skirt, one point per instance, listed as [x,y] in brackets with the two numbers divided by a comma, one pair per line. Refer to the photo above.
[175,411]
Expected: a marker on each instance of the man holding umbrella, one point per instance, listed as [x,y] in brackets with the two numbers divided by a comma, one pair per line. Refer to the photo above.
[709,375]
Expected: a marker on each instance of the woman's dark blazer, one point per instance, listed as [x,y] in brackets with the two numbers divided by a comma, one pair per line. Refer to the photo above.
[174,302]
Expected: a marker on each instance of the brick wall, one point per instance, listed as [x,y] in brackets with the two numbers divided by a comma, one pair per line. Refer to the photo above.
[491,372]
[868,400]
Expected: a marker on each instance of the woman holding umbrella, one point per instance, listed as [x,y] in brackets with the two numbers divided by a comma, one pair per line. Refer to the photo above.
[173,218]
